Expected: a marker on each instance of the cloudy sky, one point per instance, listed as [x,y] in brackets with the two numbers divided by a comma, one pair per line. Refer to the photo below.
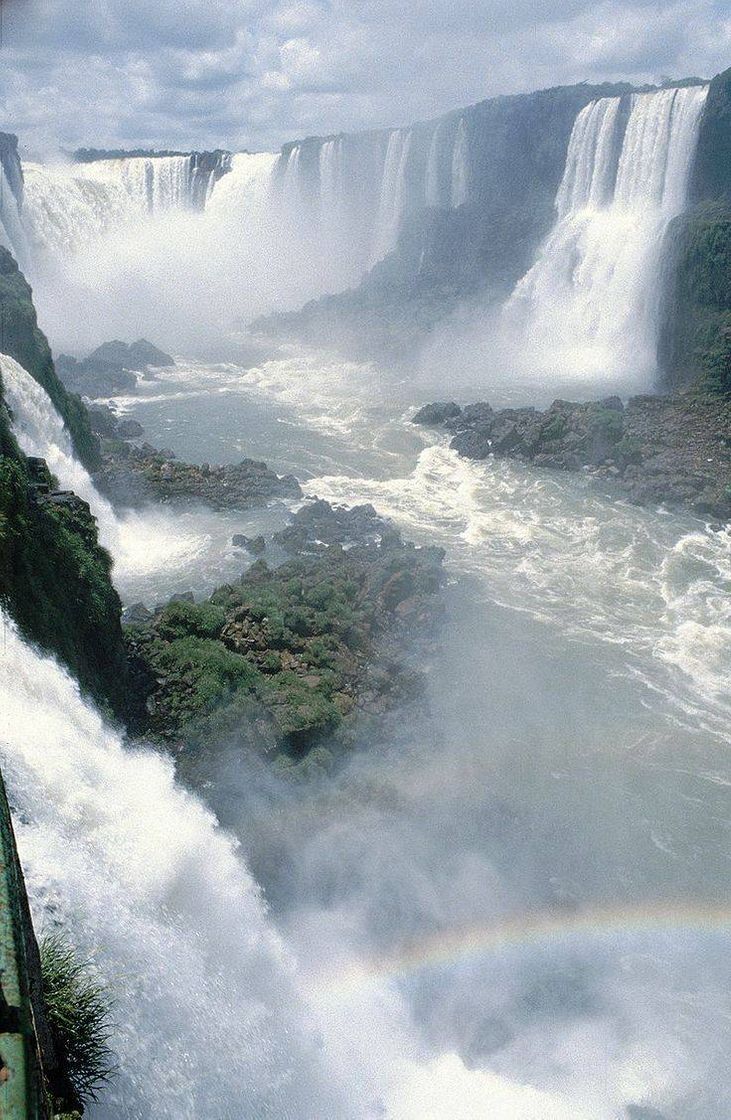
[253,73]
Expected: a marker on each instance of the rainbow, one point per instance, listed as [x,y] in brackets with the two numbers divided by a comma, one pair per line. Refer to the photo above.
[525,931]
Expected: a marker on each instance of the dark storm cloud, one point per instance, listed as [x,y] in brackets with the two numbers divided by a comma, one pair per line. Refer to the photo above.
[254,73]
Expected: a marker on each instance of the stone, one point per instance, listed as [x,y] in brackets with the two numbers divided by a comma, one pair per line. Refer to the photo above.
[434,415]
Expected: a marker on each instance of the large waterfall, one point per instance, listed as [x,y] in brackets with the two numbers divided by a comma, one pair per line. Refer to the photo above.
[181,250]
[207,1022]
[588,307]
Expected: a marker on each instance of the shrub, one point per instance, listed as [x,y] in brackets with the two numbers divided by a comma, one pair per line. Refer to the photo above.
[78,1008]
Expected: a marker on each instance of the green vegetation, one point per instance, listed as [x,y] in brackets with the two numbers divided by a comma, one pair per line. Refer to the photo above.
[286,657]
[55,577]
[78,1011]
[695,345]
[22,339]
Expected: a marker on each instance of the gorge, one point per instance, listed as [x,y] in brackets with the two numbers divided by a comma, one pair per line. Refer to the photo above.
[346,835]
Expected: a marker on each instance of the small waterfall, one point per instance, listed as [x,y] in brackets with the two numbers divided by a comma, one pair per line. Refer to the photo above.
[392,194]
[291,186]
[433,180]
[41,432]
[155,552]
[331,183]
[207,1019]
[588,306]
[12,231]
[460,165]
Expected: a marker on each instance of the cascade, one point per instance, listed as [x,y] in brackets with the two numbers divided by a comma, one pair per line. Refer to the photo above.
[588,306]
[433,185]
[392,194]
[206,1019]
[12,232]
[460,166]
[154,550]
[331,182]
[40,432]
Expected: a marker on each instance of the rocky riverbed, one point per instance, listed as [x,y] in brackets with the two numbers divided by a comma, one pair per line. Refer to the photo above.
[672,450]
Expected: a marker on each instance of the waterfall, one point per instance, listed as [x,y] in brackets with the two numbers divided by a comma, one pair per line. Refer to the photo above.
[460,165]
[12,232]
[433,181]
[588,307]
[331,183]
[156,551]
[392,194]
[291,186]
[41,432]
[206,1020]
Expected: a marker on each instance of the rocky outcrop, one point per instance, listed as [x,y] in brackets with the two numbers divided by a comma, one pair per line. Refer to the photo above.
[671,450]
[112,368]
[292,656]
[131,475]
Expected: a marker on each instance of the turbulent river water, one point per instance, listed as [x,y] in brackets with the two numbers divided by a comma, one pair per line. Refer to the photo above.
[531,872]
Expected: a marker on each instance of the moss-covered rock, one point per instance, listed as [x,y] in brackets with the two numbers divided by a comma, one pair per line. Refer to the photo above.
[695,338]
[22,339]
[55,577]
[290,655]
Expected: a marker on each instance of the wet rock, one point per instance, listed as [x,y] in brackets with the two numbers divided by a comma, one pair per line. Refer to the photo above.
[136,613]
[255,545]
[434,415]
[182,597]
[658,449]
[129,429]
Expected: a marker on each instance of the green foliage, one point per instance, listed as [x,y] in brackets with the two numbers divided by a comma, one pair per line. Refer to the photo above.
[55,579]
[78,1009]
[694,339]
[200,674]
[280,659]
[715,359]
[203,620]
[607,423]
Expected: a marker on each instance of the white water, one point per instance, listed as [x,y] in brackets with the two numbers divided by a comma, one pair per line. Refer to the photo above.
[588,307]
[155,551]
[12,231]
[207,1019]
[392,197]
[460,166]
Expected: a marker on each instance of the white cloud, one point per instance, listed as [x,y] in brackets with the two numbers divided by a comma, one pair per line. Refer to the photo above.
[253,73]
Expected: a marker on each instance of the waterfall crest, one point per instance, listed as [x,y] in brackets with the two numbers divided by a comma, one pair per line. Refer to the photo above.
[207,1021]
[589,305]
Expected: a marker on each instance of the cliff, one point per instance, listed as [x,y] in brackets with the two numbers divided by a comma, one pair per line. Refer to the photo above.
[695,329]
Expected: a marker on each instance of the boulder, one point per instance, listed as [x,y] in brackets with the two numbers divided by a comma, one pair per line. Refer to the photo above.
[436,414]
[130,429]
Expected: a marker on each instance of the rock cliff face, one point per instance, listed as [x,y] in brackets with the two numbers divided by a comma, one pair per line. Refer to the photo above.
[695,332]
[10,161]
